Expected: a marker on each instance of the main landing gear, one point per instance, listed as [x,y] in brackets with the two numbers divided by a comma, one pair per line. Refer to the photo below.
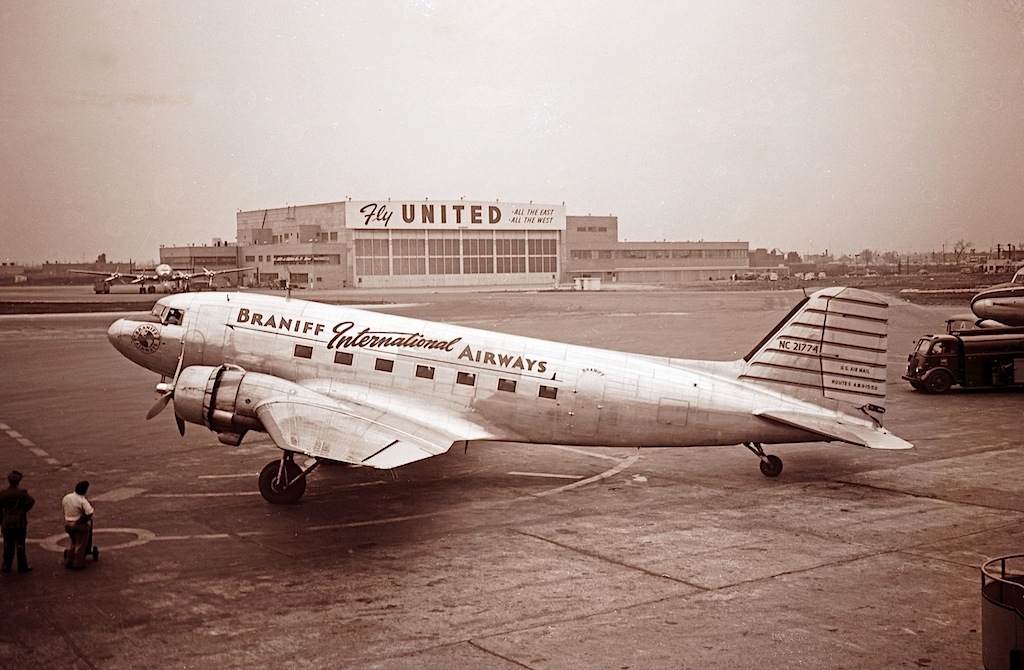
[771,465]
[282,482]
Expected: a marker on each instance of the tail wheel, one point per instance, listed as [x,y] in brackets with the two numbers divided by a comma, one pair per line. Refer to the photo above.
[939,381]
[771,465]
[274,482]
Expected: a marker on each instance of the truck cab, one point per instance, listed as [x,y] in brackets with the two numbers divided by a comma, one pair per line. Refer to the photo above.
[982,358]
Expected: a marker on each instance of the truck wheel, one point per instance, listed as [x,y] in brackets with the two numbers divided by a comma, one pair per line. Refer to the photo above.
[939,381]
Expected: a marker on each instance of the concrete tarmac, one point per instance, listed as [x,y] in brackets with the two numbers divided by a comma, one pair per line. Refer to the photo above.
[506,556]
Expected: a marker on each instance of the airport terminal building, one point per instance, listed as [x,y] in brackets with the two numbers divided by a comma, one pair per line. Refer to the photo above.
[448,243]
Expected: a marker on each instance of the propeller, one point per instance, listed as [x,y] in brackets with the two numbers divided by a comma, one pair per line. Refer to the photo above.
[166,392]
[162,401]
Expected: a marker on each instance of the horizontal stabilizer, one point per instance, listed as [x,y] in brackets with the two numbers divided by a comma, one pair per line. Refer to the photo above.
[861,434]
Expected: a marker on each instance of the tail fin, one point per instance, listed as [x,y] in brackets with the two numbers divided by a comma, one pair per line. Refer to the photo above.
[832,345]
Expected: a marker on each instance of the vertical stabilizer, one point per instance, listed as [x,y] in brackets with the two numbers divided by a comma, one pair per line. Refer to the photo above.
[833,346]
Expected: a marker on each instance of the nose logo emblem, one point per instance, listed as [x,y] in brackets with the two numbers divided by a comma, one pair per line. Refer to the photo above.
[146,338]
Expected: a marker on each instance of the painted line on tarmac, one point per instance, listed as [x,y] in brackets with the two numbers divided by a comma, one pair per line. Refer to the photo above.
[584,452]
[378,522]
[589,480]
[28,444]
[549,475]
[58,542]
[224,494]
[142,536]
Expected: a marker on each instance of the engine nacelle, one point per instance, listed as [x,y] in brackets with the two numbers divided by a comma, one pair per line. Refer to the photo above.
[224,398]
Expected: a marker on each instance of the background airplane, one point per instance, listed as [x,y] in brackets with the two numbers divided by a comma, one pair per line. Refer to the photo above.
[178,281]
[379,390]
[1002,303]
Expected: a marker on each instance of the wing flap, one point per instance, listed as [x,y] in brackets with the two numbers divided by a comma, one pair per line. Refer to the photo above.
[350,434]
[874,437]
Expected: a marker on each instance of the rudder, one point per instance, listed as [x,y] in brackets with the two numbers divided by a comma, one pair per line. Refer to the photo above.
[832,345]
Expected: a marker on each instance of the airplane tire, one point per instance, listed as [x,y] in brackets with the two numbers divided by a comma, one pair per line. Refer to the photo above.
[939,381]
[772,467]
[273,491]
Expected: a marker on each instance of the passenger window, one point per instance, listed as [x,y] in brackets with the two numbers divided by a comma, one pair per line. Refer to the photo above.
[549,392]
[507,385]
[343,358]
[384,365]
[424,372]
[467,378]
[303,351]
[939,348]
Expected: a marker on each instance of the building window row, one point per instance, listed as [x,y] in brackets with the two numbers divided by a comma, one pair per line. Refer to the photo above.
[602,254]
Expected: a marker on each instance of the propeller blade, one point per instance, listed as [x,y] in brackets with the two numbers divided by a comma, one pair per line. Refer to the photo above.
[159,405]
[166,392]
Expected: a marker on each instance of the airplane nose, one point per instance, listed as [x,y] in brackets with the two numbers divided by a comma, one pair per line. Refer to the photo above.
[114,333]
[149,344]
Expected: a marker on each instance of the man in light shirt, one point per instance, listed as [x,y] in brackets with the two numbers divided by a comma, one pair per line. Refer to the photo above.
[77,518]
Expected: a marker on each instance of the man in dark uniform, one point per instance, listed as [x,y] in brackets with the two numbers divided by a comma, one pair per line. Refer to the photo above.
[15,502]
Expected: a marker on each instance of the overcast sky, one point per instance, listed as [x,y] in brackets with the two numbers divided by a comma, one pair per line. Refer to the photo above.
[797,124]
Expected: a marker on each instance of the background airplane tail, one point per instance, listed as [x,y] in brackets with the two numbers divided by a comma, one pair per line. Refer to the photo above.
[832,345]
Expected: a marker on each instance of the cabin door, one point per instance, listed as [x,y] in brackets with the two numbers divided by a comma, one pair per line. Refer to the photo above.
[587,402]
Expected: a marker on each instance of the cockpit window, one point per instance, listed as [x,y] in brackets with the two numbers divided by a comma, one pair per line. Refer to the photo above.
[167,315]
[1018,278]
[173,317]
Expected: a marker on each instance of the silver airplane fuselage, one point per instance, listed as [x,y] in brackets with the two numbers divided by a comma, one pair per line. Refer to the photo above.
[508,387]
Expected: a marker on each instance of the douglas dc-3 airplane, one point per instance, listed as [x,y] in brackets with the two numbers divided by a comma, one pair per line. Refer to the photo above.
[380,390]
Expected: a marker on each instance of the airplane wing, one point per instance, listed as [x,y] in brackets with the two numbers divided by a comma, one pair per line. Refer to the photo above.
[221,272]
[853,433]
[211,273]
[357,434]
[109,276]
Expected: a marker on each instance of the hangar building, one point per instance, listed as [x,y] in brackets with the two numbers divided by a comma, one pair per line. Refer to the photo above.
[447,243]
